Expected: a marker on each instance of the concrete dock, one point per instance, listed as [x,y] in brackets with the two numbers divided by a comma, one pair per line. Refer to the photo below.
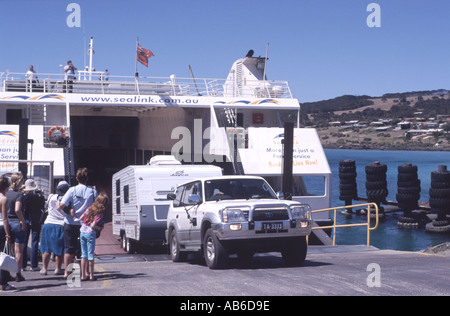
[328,271]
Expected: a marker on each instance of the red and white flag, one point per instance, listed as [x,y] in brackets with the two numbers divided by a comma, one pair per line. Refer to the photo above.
[143,55]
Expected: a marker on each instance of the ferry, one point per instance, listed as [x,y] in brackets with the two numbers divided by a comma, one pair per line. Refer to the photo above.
[106,123]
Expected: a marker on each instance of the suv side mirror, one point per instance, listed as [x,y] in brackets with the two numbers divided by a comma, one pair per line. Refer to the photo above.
[171,196]
[194,199]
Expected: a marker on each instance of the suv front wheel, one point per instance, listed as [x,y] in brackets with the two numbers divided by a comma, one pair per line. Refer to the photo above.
[294,253]
[215,254]
[174,246]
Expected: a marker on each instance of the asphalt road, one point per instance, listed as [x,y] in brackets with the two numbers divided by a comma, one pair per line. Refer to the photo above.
[355,271]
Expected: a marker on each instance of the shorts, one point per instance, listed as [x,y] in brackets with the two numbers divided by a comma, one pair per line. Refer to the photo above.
[71,239]
[87,246]
[52,239]
[18,235]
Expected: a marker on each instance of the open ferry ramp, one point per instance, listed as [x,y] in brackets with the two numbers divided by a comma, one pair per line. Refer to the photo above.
[327,271]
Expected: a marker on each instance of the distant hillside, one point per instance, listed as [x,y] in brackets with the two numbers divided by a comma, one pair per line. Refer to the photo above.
[345,102]
[390,105]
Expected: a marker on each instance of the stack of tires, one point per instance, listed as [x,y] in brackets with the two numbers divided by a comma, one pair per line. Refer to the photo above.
[440,200]
[408,194]
[347,186]
[376,185]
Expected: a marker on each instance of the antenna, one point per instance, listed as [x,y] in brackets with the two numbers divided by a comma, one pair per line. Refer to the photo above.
[265,62]
[91,53]
[193,78]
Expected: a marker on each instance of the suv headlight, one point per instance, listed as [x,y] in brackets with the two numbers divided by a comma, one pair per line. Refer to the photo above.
[234,215]
[301,211]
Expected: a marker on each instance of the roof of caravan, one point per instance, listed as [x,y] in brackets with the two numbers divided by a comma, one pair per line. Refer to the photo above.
[177,170]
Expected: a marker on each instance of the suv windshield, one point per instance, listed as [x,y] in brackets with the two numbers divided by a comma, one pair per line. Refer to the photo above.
[231,189]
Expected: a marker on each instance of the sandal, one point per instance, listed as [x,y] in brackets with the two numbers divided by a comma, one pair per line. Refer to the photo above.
[9,287]
[93,278]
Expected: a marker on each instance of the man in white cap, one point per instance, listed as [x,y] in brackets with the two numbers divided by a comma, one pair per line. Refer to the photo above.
[33,206]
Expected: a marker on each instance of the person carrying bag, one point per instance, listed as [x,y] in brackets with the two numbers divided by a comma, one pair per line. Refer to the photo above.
[7,260]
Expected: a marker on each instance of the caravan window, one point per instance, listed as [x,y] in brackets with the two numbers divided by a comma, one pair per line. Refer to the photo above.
[118,187]
[126,194]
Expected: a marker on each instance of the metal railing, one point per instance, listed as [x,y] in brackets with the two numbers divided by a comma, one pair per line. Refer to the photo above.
[172,86]
[335,225]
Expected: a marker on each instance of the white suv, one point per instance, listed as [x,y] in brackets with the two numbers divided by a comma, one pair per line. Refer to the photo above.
[235,215]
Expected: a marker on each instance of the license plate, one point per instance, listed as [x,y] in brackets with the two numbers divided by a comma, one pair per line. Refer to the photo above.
[272,226]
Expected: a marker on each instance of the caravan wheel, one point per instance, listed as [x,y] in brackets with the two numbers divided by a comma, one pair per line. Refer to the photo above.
[128,245]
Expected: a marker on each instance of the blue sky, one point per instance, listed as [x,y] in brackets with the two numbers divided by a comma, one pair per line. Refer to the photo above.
[323,48]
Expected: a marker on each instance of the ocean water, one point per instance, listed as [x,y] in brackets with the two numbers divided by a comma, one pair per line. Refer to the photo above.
[388,235]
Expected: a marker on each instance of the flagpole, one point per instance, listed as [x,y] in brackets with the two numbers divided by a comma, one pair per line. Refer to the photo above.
[135,67]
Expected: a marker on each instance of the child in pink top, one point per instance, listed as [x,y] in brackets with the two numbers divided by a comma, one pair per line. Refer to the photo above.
[91,224]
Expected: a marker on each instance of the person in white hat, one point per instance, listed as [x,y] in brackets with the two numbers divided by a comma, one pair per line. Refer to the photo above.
[33,207]
[52,236]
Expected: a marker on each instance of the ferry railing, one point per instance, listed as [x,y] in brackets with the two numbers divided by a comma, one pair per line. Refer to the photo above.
[336,226]
[95,83]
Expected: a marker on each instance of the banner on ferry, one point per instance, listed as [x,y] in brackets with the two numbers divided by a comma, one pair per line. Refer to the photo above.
[264,155]
[9,149]
[146,100]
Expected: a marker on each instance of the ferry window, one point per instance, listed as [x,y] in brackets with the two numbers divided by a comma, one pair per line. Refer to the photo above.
[126,194]
[13,116]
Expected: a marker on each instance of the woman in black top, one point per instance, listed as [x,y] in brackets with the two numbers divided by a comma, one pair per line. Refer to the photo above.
[4,231]
[16,220]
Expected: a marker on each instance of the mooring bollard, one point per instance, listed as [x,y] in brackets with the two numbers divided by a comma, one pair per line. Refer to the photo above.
[440,200]
[347,183]
[376,185]
[408,194]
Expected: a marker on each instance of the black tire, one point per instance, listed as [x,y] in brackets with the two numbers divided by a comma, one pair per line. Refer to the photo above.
[349,175]
[348,181]
[408,190]
[437,223]
[376,185]
[351,186]
[376,168]
[437,229]
[439,193]
[347,163]
[407,168]
[403,197]
[174,248]
[441,204]
[215,254]
[377,194]
[407,184]
[440,176]
[347,170]
[440,185]
[408,220]
[131,246]
[407,177]
[294,253]
[376,177]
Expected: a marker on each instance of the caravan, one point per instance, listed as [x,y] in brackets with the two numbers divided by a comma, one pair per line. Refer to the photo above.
[140,201]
